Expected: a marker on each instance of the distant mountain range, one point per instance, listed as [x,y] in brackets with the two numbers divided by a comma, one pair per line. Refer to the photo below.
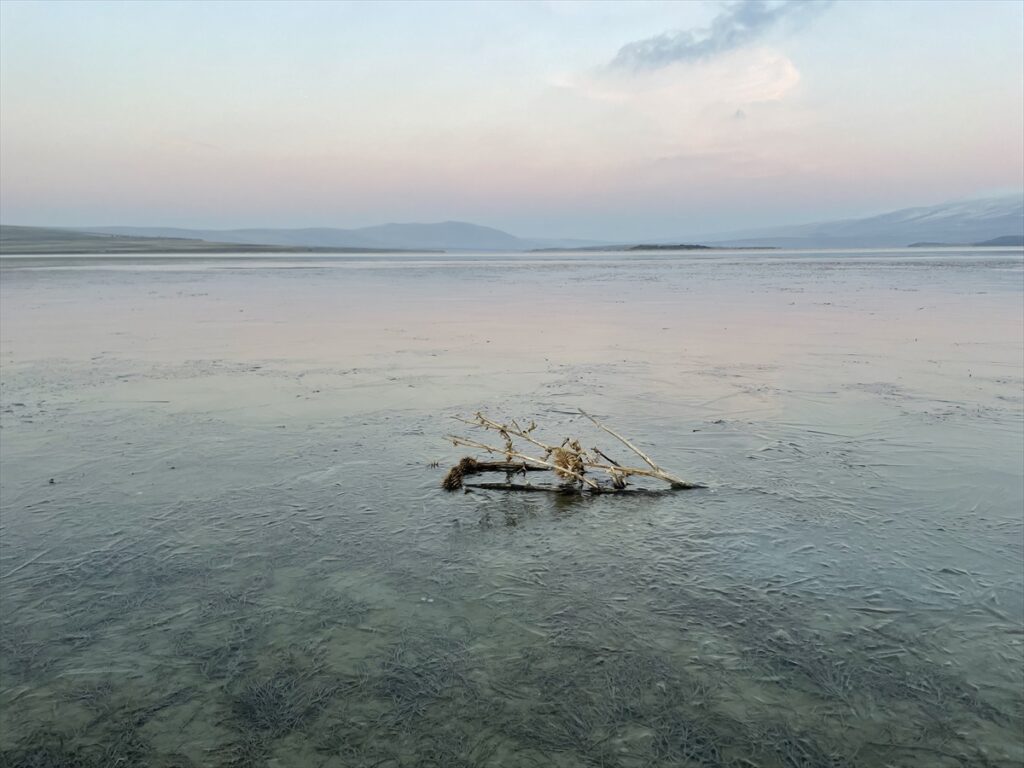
[27,241]
[1006,241]
[990,221]
[965,222]
[445,235]
[971,221]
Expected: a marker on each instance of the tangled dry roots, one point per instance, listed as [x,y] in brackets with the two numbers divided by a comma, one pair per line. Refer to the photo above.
[569,463]
[453,480]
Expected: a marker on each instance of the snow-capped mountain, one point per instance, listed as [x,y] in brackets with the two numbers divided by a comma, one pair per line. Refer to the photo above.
[960,222]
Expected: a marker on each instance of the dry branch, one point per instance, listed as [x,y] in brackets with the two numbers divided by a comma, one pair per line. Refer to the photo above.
[568,460]
[675,482]
[565,490]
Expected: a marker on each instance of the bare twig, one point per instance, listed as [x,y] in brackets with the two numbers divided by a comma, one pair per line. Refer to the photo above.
[607,458]
[659,474]
[513,429]
[675,481]
[647,459]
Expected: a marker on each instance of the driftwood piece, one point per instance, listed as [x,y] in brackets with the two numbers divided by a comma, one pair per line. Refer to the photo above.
[469,466]
[566,489]
[568,460]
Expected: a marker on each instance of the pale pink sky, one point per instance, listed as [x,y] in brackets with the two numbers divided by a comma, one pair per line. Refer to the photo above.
[524,116]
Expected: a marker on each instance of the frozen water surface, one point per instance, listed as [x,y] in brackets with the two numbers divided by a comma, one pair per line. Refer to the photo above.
[223,542]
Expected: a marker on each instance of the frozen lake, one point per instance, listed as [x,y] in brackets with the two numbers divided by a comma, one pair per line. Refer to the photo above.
[223,540]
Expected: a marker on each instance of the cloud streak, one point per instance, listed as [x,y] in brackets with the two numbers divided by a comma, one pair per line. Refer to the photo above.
[738,24]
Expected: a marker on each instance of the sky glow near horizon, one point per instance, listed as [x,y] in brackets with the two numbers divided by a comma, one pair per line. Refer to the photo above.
[595,120]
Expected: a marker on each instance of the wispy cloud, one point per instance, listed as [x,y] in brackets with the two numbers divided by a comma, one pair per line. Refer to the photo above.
[755,75]
[738,24]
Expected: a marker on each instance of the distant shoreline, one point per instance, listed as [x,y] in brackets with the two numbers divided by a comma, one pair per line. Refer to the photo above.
[26,241]
[209,249]
[653,247]
[44,241]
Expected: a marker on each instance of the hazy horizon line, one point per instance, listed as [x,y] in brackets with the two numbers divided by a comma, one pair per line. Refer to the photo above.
[978,197]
